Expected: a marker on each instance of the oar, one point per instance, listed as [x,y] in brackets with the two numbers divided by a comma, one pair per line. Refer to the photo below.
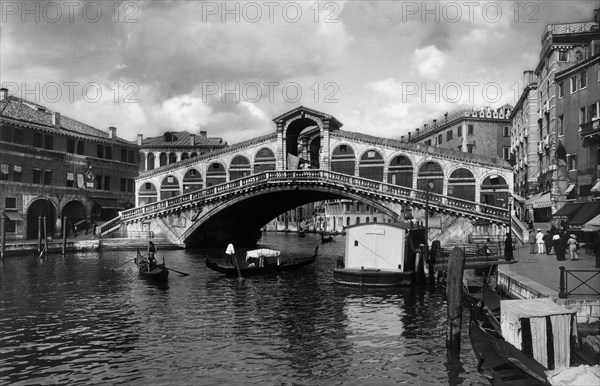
[179,272]
[128,261]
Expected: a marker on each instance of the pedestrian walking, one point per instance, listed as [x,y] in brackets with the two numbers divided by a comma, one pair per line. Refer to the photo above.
[548,242]
[531,241]
[539,237]
[573,244]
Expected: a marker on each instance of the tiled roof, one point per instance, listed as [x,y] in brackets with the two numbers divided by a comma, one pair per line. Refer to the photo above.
[183,139]
[29,112]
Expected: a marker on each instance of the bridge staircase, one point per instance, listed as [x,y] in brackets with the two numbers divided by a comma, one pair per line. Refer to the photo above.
[336,182]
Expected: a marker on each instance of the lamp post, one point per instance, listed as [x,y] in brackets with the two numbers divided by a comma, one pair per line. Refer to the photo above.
[429,187]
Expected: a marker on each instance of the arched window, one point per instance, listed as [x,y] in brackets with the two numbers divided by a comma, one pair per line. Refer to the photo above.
[461,184]
[342,160]
[184,156]
[215,174]
[431,172]
[172,158]
[264,160]
[151,161]
[400,172]
[163,159]
[371,165]
[239,168]
[192,180]
[147,194]
[494,191]
[169,187]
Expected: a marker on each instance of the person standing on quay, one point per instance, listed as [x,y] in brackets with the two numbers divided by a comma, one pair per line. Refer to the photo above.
[539,237]
[559,246]
[508,247]
[531,241]
[572,242]
[548,242]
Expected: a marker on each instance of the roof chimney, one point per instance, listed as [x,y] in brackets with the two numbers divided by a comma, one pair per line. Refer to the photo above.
[425,127]
[112,132]
[3,93]
[56,119]
[446,116]
[417,133]
[401,138]
[409,136]
[435,123]
[140,139]
[192,139]
[203,134]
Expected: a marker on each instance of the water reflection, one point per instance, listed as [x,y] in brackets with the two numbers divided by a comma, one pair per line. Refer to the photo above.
[74,320]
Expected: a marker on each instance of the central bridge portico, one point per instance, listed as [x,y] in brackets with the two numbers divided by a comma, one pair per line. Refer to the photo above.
[228,194]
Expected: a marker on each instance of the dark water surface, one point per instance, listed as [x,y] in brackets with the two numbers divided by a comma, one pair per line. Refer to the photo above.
[73,321]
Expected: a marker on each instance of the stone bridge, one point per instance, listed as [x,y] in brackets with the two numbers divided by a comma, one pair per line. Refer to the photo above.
[229,194]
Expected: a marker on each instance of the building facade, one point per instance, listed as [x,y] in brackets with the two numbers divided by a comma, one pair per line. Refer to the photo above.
[53,166]
[334,215]
[484,131]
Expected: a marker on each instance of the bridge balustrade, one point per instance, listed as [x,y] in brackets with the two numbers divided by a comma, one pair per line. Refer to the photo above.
[355,183]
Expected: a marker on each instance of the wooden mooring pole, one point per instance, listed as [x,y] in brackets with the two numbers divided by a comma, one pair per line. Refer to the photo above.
[64,234]
[456,264]
[39,233]
[45,237]
[2,234]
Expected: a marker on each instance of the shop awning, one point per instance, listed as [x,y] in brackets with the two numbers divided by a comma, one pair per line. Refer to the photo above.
[540,200]
[569,189]
[519,198]
[596,188]
[568,211]
[592,226]
[14,216]
[587,212]
[108,203]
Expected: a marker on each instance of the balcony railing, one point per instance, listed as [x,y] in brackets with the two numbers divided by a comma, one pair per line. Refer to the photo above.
[590,128]
[350,183]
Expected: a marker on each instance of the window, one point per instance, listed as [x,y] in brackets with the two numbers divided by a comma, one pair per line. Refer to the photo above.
[559,125]
[583,79]
[343,148]
[449,135]
[49,142]
[563,56]
[506,131]
[123,184]
[37,139]
[470,129]
[47,177]
[439,138]
[123,155]
[573,81]
[18,136]
[106,182]
[99,180]
[100,151]
[37,176]
[10,203]
[561,89]
[506,153]
[80,147]
[582,117]
[459,131]
[148,185]
[3,172]
[131,156]
[371,154]
[6,134]
[428,142]
[595,111]
[70,146]
[108,152]
[17,173]
[470,148]
[572,161]
[130,185]
[70,179]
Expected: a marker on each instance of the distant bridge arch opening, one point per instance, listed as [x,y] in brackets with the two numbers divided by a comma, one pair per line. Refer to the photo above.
[147,194]
[169,187]
[215,174]
[371,165]
[192,180]
[239,167]
[264,160]
[400,171]
[431,172]
[461,184]
[494,191]
[343,159]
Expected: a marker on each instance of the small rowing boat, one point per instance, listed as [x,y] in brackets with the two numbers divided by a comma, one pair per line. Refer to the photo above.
[157,272]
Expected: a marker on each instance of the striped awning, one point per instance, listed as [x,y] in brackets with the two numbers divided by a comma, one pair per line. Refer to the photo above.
[541,200]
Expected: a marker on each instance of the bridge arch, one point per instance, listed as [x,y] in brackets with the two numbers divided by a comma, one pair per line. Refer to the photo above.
[461,184]
[494,191]
[169,187]
[239,167]
[371,165]
[430,171]
[192,180]
[343,159]
[147,193]
[215,174]
[264,160]
[40,207]
[401,171]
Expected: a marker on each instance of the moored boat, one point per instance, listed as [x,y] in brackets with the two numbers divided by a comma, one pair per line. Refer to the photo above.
[157,273]
[261,261]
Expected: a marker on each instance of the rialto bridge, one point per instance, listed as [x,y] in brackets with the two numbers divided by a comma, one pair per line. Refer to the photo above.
[229,194]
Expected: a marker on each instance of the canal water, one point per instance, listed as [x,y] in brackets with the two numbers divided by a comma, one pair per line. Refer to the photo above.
[73,320]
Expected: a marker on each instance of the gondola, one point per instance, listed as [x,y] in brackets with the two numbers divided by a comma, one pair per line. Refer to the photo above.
[266,263]
[159,273]
[326,238]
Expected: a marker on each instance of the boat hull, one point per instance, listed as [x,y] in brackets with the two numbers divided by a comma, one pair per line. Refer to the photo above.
[266,269]
[371,278]
[159,273]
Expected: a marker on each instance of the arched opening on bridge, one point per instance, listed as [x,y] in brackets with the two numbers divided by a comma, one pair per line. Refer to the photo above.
[184,156]
[163,158]
[297,136]
[264,160]
[192,180]
[400,172]
[194,154]
[314,150]
[371,165]
[239,168]
[172,158]
[169,187]
[431,172]
[147,194]
[494,191]
[74,210]
[461,184]
[342,160]
[151,161]
[215,174]
[40,207]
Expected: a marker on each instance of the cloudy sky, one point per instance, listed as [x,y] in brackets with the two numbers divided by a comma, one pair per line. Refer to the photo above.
[380,67]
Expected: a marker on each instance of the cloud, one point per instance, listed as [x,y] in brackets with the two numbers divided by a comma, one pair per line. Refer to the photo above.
[429,61]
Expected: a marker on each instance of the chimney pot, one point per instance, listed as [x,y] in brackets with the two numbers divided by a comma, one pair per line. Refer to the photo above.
[401,138]
[3,93]
[435,123]
[192,139]
[417,133]
[203,134]
[425,126]
[56,119]
[112,132]
[409,135]
[140,139]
